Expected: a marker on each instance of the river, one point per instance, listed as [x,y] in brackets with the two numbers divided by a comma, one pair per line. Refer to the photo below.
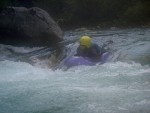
[121,85]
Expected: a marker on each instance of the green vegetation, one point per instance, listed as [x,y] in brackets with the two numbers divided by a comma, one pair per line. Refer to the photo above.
[103,13]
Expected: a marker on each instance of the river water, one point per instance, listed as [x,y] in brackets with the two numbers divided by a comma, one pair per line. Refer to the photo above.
[120,86]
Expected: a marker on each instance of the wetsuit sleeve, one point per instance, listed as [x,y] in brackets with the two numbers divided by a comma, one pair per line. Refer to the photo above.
[82,52]
[95,50]
[79,52]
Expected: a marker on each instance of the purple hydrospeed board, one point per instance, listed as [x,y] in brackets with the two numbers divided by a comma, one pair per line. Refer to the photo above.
[77,60]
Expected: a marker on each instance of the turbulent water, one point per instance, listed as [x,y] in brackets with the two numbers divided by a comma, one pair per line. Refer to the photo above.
[119,86]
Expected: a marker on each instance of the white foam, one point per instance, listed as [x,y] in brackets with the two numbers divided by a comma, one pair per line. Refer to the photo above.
[101,88]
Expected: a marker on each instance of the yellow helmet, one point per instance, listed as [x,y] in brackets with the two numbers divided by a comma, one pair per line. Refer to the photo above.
[85,41]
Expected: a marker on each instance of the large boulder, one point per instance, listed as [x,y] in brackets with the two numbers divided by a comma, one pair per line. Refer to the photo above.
[28,27]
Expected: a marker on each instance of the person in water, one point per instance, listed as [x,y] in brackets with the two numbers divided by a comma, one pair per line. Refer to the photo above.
[89,49]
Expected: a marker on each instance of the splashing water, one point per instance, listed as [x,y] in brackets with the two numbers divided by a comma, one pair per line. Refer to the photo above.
[109,88]
[115,87]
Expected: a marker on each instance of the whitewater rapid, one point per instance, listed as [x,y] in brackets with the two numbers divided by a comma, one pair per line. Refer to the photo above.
[110,88]
[119,86]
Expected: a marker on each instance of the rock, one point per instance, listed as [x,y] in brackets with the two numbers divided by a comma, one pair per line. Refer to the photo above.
[20,26]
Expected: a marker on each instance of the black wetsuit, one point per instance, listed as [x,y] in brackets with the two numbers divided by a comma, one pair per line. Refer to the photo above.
[93,52]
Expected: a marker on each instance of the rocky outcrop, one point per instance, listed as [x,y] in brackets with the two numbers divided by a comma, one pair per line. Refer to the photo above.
[28,27]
